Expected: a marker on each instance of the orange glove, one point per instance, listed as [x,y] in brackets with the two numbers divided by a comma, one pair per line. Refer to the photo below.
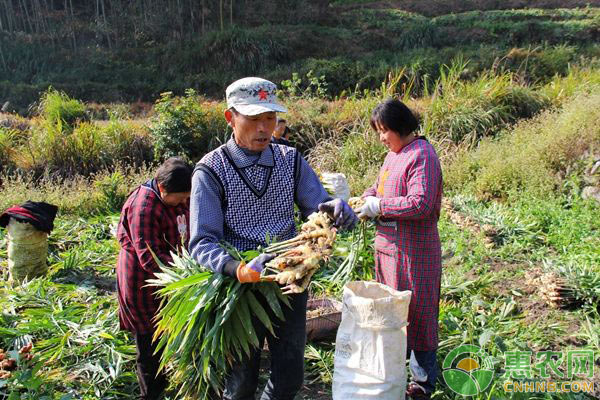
[250,273]
[245,274]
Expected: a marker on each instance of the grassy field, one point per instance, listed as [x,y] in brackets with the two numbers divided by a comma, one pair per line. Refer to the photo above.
[492,255]
[509,98]
[512,214]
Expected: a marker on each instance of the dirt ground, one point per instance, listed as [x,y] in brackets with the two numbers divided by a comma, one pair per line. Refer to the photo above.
[314,392]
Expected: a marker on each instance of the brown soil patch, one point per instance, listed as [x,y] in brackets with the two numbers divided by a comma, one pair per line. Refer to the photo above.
[310,390]
[314,392]
[532,305]
[88,278]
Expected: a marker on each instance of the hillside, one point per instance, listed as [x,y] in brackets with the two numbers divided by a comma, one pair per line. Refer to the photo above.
[95,56]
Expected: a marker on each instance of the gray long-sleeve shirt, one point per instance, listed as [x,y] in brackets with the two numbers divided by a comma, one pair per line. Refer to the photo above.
[206,214]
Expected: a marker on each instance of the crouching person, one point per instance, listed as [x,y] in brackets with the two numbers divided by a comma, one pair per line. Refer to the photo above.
[153,219]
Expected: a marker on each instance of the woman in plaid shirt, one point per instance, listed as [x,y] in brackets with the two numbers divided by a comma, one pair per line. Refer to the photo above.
[154,217]
[406,201]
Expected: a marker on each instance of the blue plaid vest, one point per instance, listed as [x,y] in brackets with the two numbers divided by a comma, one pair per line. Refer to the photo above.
[257,201]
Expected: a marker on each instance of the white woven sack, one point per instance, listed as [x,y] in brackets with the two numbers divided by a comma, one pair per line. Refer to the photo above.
[336,184]
[27,251]
[370,348]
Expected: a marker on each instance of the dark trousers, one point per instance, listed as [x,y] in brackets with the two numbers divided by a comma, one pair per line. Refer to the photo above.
[151,385]
[287,357]
[428,361]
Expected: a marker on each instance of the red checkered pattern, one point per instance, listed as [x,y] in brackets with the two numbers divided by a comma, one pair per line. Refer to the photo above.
[407,244]
[145,223]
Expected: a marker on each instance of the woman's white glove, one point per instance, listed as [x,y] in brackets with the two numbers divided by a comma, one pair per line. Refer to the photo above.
[371,208]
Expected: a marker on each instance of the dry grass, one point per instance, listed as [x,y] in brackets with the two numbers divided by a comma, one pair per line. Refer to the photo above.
[535,156]
[79,195]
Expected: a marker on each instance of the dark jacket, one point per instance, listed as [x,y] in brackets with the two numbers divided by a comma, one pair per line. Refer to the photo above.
[146,223]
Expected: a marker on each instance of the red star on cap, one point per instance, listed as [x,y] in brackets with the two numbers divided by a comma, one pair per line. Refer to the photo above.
[262,95]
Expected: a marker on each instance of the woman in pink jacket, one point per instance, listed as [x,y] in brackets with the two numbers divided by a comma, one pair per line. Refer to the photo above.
[406,202]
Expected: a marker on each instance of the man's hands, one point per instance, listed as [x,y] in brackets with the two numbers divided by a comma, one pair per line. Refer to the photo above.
[337,209]
[341,213]
[250,273]
[371,208]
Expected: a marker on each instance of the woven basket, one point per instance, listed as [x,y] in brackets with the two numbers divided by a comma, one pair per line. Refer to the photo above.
[324,326]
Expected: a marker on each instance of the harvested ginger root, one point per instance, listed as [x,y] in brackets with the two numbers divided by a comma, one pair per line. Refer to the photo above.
[298,258]
[356,202]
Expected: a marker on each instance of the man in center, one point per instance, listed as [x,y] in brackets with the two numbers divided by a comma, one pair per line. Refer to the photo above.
[243,193]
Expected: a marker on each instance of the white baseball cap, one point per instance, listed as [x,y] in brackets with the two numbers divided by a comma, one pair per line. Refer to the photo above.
[253,96]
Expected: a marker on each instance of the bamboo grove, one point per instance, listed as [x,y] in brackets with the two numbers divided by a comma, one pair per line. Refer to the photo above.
[110,22]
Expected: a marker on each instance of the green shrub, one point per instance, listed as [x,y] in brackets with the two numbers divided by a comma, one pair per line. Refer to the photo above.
[111,192]
[20,95]
[60,111]
[469,110]
[126,141]
[6,146]
[90,147]
[77,152]
[578,80]
[49,146]
[246,51]
[540,63]
[535,157]
[315,86]
[314,121]
[86,146]
[184,127]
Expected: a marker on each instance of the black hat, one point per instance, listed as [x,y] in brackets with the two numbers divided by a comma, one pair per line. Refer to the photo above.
[39,214]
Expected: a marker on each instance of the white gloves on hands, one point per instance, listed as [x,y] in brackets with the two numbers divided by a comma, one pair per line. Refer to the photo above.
[371,208]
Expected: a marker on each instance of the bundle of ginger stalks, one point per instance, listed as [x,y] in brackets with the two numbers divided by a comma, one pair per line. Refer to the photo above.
[299,258]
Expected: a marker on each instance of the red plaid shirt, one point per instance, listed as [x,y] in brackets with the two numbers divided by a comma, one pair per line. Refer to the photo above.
[146,222]
[407,244]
